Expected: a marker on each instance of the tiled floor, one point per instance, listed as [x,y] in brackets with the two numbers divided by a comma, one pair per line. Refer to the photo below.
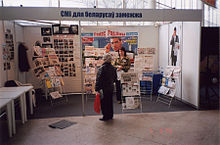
[170,128]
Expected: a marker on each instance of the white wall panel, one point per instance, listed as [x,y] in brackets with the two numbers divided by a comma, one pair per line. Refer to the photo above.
[148,38]
[190,65]
[2,72]
[163,46]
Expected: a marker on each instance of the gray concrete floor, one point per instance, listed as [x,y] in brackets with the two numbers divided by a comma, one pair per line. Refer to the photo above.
[167,128]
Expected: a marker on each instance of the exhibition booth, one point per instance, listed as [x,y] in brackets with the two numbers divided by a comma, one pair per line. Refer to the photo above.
[68,55]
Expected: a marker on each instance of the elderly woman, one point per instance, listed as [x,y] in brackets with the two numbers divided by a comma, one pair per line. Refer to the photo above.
[105,79]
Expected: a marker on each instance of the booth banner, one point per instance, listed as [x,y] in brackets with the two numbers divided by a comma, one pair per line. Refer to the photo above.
[101,39]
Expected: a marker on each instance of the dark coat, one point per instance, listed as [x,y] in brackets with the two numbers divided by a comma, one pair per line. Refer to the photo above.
[105,79]
[23,63]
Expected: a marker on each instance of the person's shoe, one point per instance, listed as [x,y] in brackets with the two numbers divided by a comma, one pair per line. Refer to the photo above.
[102,119]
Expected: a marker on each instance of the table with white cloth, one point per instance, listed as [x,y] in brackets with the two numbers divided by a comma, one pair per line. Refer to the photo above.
[9,112]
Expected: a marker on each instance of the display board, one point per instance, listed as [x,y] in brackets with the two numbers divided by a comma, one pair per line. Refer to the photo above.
[62,40]
[101,39]
[144,61]
[8,50]
[66,46]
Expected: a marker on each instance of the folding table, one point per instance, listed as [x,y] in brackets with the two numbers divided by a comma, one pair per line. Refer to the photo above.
[14,95]
[9,103]
[22,88]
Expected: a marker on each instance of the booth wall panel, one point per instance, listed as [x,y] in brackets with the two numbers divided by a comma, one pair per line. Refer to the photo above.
[163,47]
[149,38]
[19,31]
[71,84]
[2,72]
[31,35]
[190,64]
[11,74]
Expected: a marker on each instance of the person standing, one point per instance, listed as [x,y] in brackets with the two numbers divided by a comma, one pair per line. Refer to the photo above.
[123,65]
[116,45]
[105,79]
[175,45]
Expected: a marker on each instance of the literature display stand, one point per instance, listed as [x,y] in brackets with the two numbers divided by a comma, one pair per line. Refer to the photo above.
[93,60]
[167,91]
[131,98]
[46,67]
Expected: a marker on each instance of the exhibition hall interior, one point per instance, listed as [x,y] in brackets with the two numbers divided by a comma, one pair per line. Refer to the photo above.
[164,54]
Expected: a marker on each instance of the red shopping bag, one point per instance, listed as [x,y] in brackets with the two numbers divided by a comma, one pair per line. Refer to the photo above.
[97,105]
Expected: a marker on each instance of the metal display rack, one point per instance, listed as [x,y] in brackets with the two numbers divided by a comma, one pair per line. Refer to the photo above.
[131,98]
[167,91]
[146,85]
[92,61]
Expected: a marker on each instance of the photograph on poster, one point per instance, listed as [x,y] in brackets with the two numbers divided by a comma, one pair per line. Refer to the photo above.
[73,29]
[111,41]
[46,39]
[47,45]
[56,29]
[64,30]
[8,65]
[8,46]
[46,31]
[175,46]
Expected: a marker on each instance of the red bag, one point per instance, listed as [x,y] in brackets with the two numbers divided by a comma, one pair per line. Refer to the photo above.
[97,105]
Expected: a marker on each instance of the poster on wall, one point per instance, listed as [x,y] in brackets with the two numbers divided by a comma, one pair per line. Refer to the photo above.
[175,49]
[8,50]
[102,39]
